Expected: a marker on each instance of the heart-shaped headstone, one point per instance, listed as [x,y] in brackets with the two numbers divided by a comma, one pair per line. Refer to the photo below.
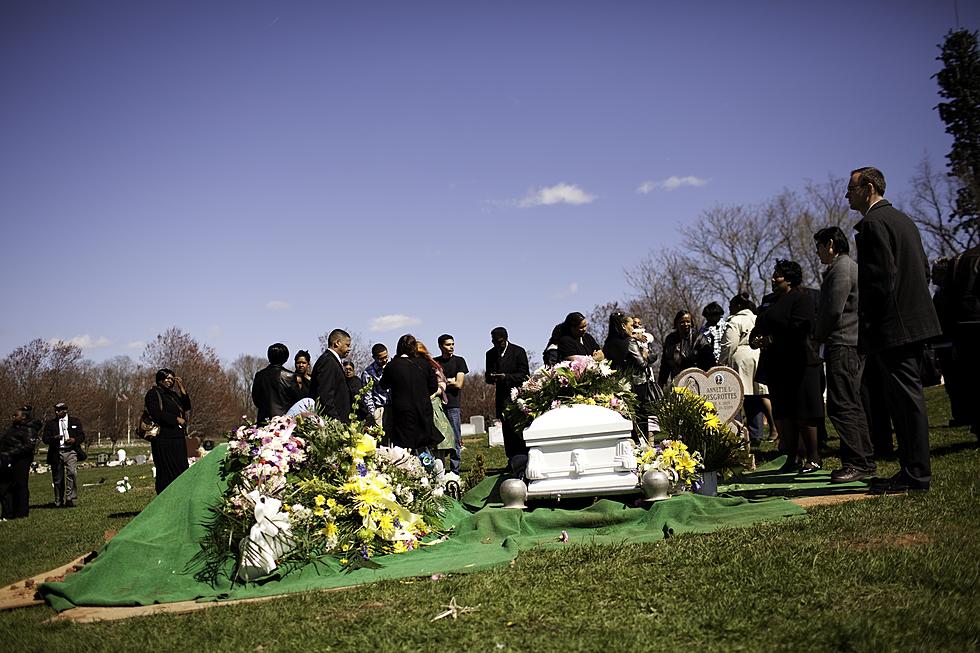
[720,385]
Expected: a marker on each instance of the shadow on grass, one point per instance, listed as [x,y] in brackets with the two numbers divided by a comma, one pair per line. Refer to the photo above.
[956,447]
[123,515]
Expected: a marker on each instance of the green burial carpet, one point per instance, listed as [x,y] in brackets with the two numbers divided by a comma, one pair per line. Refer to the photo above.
[766,481]
[149,560]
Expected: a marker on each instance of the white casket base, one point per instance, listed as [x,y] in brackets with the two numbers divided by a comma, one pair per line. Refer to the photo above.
[580,450]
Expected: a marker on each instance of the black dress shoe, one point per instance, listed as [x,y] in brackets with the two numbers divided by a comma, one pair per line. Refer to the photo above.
[897,484]
[848,475]
[69,504]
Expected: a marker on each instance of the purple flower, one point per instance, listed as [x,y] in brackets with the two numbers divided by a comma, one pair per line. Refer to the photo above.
[364,552]
[361,469]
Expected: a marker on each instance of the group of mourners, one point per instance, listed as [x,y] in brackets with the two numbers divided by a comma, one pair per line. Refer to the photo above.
[861,338]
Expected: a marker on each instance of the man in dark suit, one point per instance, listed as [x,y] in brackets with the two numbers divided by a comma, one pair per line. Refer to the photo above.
[961,306]
[329,384]
[274,390]
[507,368]
[895,318]
[64,436]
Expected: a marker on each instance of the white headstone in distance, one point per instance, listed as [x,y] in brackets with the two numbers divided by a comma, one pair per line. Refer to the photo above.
[466,429]
[479,424]
[496,435]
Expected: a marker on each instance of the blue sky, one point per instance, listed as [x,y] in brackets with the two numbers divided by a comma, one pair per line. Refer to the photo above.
[256,172]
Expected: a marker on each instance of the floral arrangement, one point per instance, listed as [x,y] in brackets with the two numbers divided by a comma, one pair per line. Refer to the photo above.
[303,488]
[581,380]
[123,485]
[687,416]
[672,457]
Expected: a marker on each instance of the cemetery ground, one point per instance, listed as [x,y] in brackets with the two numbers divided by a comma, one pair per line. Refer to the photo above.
[886,573]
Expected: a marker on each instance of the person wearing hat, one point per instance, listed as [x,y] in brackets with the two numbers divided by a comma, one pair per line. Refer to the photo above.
[64,436]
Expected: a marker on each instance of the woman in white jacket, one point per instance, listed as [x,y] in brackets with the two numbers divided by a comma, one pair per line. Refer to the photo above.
[737,354]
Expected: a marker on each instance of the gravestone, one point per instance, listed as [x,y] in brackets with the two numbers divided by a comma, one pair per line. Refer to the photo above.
[720,385]
[466,429]
[495,435]
[580,450]
[479,424]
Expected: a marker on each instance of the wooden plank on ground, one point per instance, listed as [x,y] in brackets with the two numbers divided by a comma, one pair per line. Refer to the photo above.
[84,615]
[23,593]
[831,499]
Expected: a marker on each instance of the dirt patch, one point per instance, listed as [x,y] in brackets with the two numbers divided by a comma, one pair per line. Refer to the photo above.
[891,540]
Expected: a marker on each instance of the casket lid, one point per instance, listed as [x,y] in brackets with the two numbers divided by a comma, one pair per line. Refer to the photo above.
[578,419]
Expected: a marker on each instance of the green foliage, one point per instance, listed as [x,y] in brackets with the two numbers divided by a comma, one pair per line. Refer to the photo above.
[959,83]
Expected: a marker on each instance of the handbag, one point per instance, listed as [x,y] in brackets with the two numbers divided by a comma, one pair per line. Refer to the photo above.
[146,428]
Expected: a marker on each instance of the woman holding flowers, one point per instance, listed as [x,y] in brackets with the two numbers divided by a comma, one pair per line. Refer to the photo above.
[787,366]
[408,420]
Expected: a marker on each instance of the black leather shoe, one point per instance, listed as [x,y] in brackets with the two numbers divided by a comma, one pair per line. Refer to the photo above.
[69,504]
[897,484]
[848,475]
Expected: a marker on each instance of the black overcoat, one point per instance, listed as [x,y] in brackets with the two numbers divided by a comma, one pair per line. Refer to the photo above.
[895,307]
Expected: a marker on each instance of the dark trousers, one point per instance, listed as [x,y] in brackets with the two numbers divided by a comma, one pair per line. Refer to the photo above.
[899,369]
[15,497]
[966,351]
[876,411]
[844,370]
[754,417]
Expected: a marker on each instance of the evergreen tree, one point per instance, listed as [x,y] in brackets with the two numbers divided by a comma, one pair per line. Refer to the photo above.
[959,83]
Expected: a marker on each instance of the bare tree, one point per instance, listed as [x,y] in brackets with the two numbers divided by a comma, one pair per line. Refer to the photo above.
[241,374]
[932,205]
[212,397]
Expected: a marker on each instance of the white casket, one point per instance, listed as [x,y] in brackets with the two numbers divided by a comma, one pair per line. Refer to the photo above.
[580,450]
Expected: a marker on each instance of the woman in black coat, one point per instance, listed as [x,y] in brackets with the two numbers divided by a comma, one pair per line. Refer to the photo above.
[789,366]
[168,408]
[16,454]
[575,340]
[679,351]
[408,420]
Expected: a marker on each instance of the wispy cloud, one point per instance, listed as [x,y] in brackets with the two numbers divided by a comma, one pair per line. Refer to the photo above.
[558,194]
[670,183]
[568,291]
[392,322]
[84,342]
[278,305]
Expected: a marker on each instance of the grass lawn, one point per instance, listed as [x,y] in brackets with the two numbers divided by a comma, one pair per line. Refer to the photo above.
[890,573]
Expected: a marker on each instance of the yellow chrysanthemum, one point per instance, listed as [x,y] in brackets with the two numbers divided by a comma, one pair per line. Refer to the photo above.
[330,530]
[319,500]
[331,503]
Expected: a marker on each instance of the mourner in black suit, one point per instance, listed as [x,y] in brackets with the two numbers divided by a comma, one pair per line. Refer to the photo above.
[507,368]
[274,389]
[169,405]
[895,318]
[411,381]
[64,436]
[16,454]
[329,385]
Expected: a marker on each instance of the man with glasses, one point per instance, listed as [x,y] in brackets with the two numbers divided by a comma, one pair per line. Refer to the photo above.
[895,318]
[64,436]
